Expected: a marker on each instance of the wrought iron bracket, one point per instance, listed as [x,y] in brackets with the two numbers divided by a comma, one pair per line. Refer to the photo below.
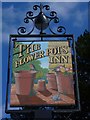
[41,21]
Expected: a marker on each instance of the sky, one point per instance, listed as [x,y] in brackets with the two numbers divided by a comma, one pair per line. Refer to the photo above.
[73,16]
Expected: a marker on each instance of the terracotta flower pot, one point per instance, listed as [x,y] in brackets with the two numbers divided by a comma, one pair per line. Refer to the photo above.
[65,83]
[41,85]
[52,83]
[70,85]
[59,82]
[24,82]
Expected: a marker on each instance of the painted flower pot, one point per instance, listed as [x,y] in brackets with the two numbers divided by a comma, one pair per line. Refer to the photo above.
[65,83]
[41,85]
[52,83]
[24,81]
[59,81]
[69,84]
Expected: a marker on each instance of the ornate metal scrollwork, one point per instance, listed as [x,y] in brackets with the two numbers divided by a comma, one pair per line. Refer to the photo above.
[41,21]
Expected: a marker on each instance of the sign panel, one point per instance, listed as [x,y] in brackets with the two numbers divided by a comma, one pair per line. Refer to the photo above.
[42,74]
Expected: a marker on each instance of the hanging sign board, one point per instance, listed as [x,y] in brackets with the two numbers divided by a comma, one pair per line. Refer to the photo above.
[42,73]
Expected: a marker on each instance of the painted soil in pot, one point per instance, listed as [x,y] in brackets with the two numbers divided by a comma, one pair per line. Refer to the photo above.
[52,83]
[24,81]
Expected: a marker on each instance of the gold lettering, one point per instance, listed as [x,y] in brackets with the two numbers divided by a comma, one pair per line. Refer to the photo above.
[20,50]
[26,60]
[32,48]
[31,57]
[22,61]
[38,46]
[28,49]
[41,54]
[51,59]
[58,50]
[64,59]
[16,64]
[54,51]
[64,50]
[58,59]
[48,52]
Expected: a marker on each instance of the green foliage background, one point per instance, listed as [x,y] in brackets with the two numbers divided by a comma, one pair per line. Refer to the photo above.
[41,72]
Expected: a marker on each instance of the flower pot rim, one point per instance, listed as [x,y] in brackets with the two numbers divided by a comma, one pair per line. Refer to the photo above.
[50,73]
[26,71]
[41,80]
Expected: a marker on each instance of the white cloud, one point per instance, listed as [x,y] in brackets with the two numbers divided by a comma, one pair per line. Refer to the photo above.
[69,10]
[10,12]
[64,9]
[10,17]
[80,18]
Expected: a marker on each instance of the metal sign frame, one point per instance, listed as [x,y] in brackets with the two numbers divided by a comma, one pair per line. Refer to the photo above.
[71,108]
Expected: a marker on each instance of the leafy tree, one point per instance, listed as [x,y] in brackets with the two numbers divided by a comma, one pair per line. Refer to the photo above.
[83,53]
[39,75]
[41,72]
[83,64]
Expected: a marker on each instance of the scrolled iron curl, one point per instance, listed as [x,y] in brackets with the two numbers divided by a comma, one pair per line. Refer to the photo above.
[61,29]
[53,14]
[21,30]
[29,14]
[47,7]
[26,20]
[56,20]
[35,7]
[53,17]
